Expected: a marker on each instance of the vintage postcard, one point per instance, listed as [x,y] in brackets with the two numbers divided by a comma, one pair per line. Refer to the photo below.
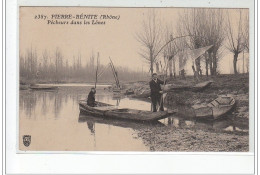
[134,79]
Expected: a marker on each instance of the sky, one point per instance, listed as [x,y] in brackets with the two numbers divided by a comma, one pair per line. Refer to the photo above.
[116,39]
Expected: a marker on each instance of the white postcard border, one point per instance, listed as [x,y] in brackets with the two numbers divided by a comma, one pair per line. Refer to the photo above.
[115,162]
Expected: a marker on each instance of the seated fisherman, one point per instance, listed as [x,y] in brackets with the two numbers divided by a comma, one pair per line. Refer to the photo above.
[156,92]
[91,98]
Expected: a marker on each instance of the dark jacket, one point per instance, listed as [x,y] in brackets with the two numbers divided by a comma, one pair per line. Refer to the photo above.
[91,99]
[155,87]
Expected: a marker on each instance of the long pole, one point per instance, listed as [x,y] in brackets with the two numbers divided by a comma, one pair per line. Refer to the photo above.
[171,40]
[164,82]
[114,71]
[97,71]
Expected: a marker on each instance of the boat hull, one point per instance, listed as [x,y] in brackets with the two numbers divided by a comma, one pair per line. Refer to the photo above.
[109,111]
[216,109]
[39,88]
[196,88]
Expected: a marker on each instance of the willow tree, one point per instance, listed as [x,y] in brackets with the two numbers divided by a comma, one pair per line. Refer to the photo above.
[150,38]
[170,50]
[246,32]
[235,42]
[205,27]
[246,37]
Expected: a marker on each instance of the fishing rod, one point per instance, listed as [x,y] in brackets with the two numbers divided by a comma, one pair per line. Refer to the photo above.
[101,73]
[97,71]
[172,39]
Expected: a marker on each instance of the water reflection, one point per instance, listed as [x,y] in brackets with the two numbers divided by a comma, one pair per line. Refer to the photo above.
[137,127]
[91,126]
[42,103]
[53,117]
[91,120]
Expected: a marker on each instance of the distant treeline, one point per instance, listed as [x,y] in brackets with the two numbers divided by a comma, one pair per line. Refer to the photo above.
[46,68]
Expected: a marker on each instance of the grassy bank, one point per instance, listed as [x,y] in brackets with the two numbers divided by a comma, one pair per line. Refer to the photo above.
[235,85]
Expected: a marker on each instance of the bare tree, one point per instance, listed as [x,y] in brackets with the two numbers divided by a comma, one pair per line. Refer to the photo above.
[170,50]
[206,27]
[235,39]
[58,64]
[246,39]
[56,68]
[150,38]
[246,32]
[45,57]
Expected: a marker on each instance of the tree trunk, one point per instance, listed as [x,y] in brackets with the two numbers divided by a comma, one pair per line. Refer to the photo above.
[210,63]
[197,64]
[170,67]
[157,68]
[151,62]
[243,62]
[207,67]
[174,68]
[151,68]
[235,63]
[214,63]
[206,64]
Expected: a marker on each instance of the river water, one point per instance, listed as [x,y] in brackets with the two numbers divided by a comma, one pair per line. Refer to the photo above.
[53,121]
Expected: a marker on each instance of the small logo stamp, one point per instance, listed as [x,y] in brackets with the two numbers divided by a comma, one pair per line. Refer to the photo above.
[26,140]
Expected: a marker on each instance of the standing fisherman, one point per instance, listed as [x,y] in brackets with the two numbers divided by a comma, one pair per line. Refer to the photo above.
[156,92]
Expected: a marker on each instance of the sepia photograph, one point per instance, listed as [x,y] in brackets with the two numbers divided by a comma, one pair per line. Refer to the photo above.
[133,79]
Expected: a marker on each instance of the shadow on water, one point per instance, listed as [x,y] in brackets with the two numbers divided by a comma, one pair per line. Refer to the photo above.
[91,120]
[137,127]
[227,123]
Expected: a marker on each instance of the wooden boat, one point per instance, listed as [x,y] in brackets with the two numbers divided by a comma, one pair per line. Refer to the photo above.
[142,94]
[215,109]
[201,86]
[222,105]
[197,87]
[110,111]
[23,87]
[145,93]
[175,87]
[37,87]
[129,92]
[116,90]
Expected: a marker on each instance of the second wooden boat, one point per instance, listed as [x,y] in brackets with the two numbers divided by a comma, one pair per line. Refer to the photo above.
[214,110]
[197,87]
[36,87]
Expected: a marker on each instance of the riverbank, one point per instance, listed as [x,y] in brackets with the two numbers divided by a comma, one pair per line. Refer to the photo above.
[193,140]
[233,137]
[235,85]
[175,133]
